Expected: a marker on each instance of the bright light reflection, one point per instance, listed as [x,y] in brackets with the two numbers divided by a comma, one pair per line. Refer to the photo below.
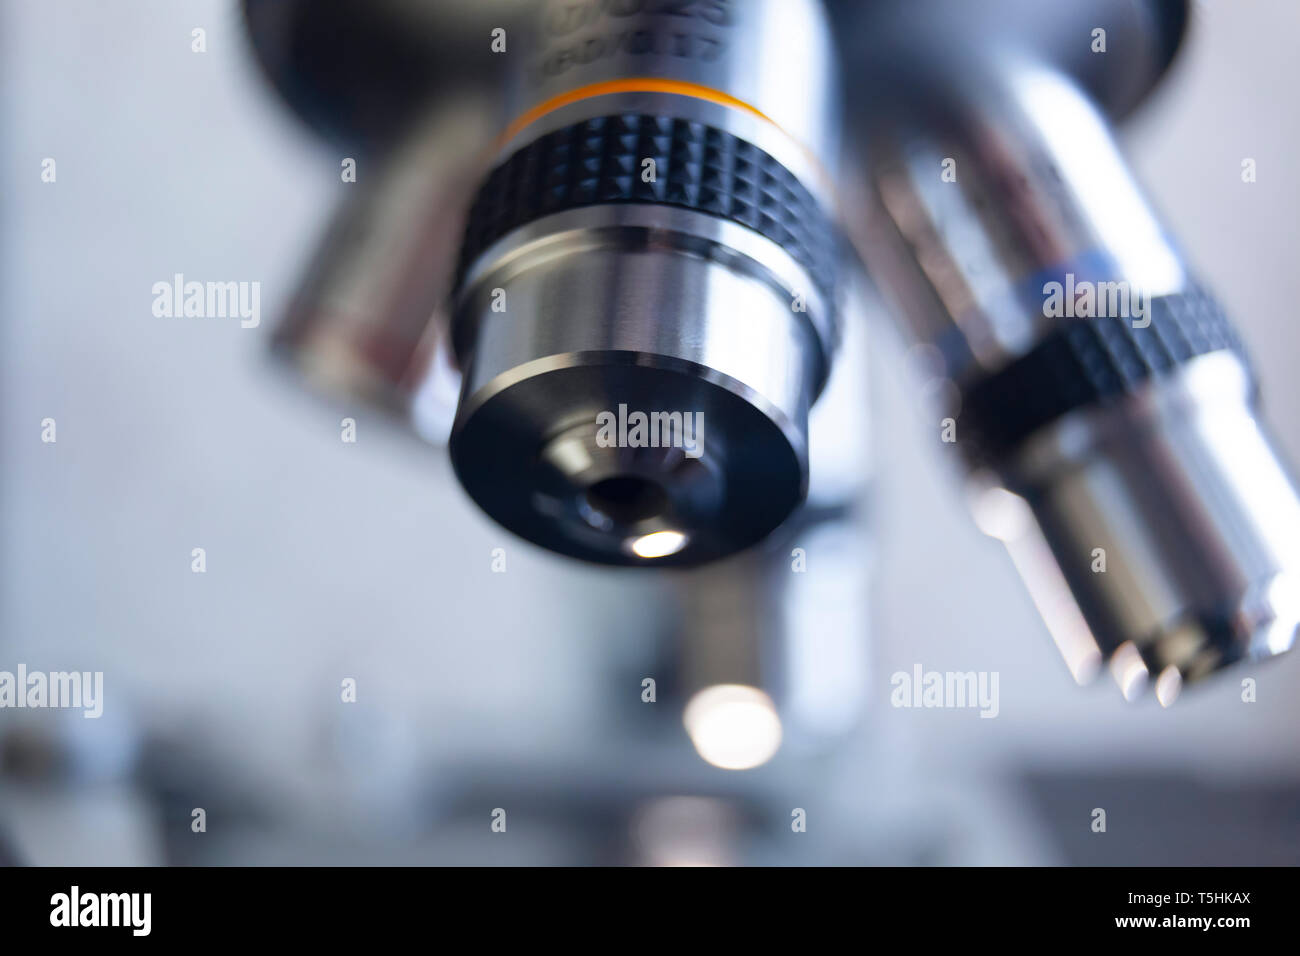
[733,726]
[658,544]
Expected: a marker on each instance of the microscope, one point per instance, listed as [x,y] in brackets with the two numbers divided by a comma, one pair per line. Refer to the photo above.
[592,208]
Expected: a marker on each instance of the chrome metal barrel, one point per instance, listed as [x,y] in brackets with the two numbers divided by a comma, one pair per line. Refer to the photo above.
[645,309]
[1098,394]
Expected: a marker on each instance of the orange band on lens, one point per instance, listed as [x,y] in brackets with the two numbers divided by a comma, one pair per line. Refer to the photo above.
[640,84]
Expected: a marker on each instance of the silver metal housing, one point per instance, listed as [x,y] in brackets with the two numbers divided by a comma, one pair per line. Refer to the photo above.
[1173,524]
[1157,530]
[647,307]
